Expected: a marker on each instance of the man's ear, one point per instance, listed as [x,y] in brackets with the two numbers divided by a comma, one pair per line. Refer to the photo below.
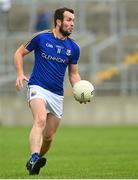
[58,22]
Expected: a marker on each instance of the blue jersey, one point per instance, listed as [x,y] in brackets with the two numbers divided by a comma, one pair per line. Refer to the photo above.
[52,56]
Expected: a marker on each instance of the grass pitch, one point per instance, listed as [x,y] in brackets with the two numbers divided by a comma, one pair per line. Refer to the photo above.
[77,152]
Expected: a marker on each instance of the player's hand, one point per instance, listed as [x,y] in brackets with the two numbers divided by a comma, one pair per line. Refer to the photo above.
[81,102]
[19,81]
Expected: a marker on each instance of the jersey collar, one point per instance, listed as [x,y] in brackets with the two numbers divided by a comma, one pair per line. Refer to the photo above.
[54,33]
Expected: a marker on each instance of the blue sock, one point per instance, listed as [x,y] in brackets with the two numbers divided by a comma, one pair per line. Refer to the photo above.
[35,156]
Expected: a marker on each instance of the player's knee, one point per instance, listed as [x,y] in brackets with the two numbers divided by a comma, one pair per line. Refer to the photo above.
[40,121]
[49,136]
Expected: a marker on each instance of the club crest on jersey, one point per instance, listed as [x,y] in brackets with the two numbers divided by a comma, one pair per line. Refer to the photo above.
[68,52]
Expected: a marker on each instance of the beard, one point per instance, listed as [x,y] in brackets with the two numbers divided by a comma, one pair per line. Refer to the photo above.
[63,32]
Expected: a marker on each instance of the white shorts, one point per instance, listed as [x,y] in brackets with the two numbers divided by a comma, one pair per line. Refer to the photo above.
[54,102]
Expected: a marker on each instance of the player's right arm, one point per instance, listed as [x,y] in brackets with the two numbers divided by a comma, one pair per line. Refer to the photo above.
[18,61]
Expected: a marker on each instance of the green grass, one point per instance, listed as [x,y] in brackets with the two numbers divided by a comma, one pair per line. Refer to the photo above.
[77,152]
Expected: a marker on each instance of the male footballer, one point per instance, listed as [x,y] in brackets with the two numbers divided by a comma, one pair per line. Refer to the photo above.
[54,51]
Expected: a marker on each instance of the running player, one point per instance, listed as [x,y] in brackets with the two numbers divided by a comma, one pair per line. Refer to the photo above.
[54,51]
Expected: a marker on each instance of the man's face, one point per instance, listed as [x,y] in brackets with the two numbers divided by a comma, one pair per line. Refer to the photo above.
[67,25]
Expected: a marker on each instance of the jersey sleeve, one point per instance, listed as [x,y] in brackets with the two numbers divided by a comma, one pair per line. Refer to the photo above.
[76,54]
[32,44]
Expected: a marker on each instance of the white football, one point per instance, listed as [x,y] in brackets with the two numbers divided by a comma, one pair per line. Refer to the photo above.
[83,91]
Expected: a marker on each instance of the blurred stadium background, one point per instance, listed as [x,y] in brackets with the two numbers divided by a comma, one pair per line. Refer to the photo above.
[107,32]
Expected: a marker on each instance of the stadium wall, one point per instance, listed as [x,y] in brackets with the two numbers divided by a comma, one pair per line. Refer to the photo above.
[111,110]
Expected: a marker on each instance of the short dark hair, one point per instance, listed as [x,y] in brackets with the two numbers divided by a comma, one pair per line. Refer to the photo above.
[59,14]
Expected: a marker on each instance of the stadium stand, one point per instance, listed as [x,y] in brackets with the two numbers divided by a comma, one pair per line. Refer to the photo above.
[107,31]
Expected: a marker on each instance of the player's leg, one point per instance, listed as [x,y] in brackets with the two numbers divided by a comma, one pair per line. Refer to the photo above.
[52,124]
[39,114]
[55,107]
[38,109]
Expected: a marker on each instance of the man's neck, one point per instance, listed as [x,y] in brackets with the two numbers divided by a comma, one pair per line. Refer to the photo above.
[58,35]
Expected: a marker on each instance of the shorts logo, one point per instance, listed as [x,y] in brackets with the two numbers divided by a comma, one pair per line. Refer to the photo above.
[33,93]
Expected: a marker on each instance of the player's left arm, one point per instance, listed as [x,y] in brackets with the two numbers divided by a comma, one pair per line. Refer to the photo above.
[73,74]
